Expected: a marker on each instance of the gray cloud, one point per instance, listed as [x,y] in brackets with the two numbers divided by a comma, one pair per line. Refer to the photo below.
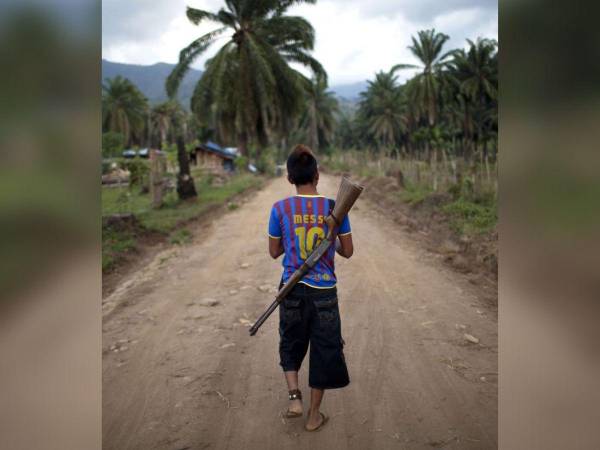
[355,38]
[137,20]
[420,11]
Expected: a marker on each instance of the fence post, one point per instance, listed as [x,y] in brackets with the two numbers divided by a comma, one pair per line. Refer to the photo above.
[158,165]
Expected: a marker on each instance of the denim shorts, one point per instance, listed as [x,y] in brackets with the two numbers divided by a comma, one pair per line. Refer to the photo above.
[311,316]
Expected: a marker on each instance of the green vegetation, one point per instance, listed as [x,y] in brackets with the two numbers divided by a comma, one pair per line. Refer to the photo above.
[180,237]
[165,220]
[435,133]
[468,217]
[469,201]
[317,122]
[112,144]
[414,194]
[173,212]
[139,170]
[114,244]
[448,109]
[124,108]
[248,90]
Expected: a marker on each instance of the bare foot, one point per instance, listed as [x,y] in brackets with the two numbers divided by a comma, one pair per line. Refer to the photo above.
[295,407]
[315,421]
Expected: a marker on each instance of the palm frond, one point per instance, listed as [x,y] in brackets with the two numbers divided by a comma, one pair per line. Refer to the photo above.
[197,15]
[186,57]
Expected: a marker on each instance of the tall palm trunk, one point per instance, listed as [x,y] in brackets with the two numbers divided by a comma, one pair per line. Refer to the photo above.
[163,137]
[282,148]
[434,171]
[185,183]
[314,133]
[243,143]
[486,160]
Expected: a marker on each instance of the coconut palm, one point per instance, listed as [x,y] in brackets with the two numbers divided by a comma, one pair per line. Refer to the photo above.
[477,69]
[381,110]
[476,73]
[162,118]
[318,119]
[346,133]
[427,83]
[171,122]
[124,108]
[248,87]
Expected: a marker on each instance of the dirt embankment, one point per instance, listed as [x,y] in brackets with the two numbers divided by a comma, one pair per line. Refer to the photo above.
[149,243]
[475,255]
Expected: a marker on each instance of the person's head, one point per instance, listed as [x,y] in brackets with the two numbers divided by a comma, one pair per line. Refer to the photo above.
[302,166]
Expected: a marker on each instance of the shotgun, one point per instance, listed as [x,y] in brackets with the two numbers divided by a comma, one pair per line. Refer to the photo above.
[346,197]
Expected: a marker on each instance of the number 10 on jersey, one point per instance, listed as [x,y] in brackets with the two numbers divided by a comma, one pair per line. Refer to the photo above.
[308,240]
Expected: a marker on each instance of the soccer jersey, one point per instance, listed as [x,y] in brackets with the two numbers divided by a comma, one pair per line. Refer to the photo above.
[300,223]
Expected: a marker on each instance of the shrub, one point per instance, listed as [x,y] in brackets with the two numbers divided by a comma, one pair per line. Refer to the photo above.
[112,144]
[106,166]
[469,217]
[415,194]
[181,237]
[241,164]
[139,171]
[266,164]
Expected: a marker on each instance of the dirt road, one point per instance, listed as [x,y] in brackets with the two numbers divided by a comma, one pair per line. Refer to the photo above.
[179,373]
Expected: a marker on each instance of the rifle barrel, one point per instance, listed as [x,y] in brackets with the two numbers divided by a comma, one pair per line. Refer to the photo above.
[254,328]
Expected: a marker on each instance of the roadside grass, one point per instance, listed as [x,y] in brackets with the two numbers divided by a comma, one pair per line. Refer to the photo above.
[414,194]
[115,243]
[167,219]
[180,237]
[468,217]
[471,207]
[468,214]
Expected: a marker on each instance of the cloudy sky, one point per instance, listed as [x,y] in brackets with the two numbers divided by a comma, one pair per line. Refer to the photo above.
[355,38]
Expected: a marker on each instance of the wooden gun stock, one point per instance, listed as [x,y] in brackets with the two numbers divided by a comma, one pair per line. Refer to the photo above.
[346,197]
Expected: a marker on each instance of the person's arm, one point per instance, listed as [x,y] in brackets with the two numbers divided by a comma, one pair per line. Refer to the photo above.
[275,247]
[344,246]
[275,243]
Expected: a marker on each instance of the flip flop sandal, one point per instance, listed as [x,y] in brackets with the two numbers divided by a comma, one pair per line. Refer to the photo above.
[321,425]
[294,395]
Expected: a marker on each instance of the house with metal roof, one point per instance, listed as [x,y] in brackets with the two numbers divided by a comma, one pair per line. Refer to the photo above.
[214,158]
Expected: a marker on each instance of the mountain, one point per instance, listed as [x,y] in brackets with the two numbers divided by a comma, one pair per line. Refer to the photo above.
[350,91]
[151,79]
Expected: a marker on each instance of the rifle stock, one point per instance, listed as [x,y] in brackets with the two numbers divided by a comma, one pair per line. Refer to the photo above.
[346,197]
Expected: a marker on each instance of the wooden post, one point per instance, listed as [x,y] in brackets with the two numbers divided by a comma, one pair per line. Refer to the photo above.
[158,166]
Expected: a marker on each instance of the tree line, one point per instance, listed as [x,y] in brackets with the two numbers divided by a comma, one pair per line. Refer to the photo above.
[249,95]
[450,104]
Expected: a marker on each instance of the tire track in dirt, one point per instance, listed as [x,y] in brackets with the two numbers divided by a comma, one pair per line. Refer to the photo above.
[191,377]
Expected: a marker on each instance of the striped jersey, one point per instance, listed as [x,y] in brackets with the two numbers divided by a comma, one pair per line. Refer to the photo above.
[300,222]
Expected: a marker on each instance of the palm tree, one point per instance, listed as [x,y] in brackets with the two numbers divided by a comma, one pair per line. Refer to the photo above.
[124,108]
[162,118]
[476,73]
[381,110]
[426,84]
[171,122]
[160,122]
[346,133]
[248,88]
[318,119]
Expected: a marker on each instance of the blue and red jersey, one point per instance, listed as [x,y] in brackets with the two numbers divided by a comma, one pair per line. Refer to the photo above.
[300,222]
